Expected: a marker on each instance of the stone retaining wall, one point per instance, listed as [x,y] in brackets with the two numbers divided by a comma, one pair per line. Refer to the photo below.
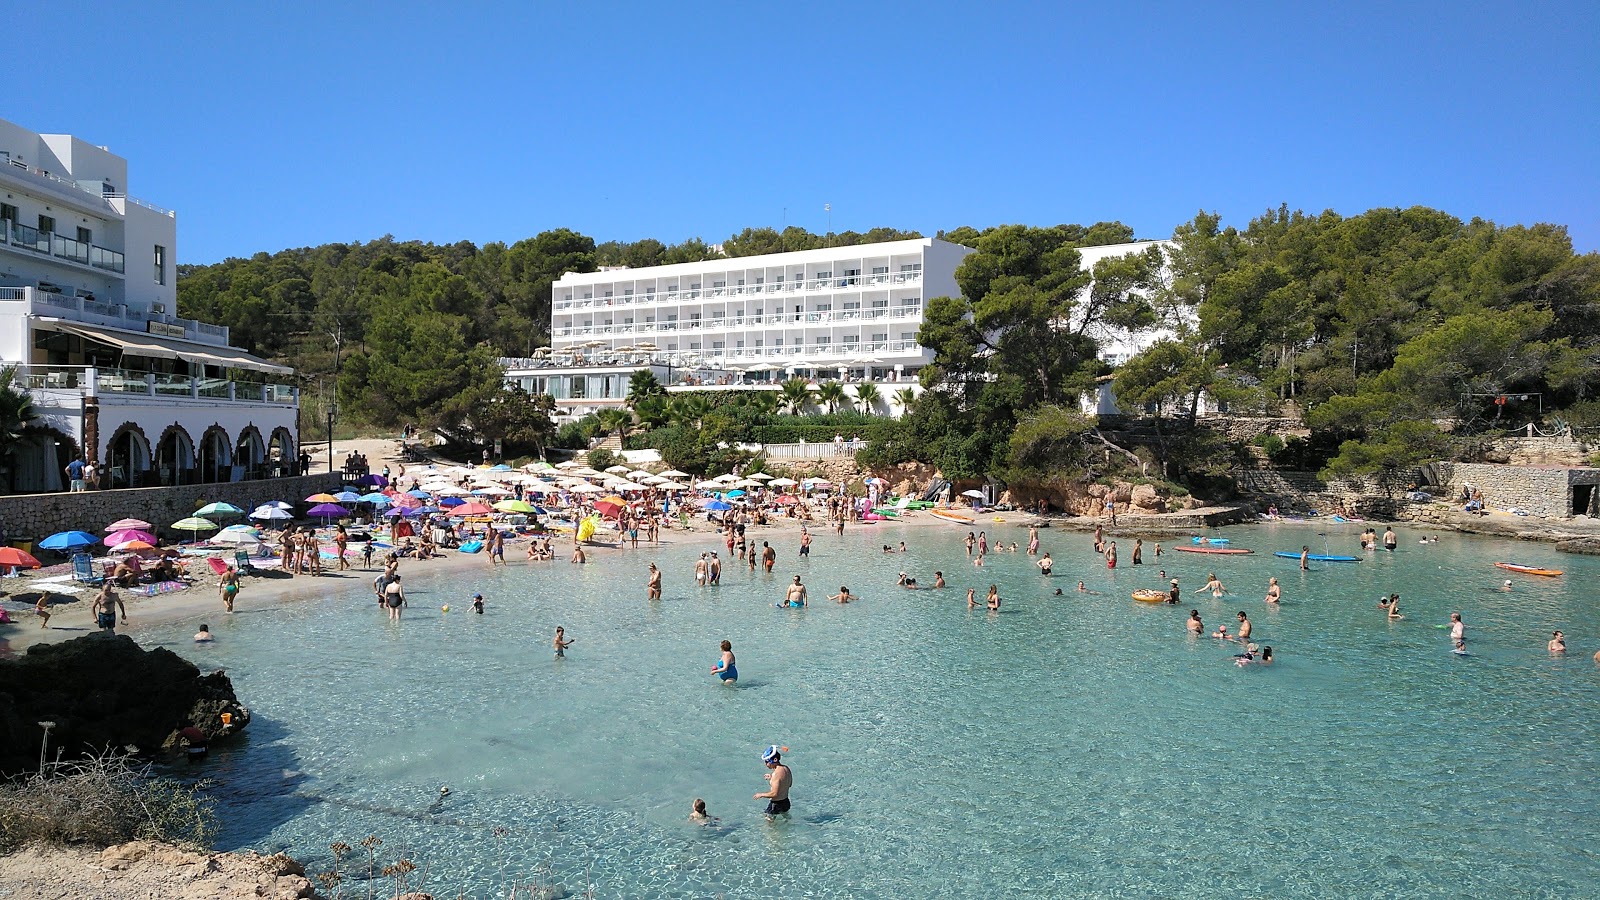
[1544,491]
[35,516]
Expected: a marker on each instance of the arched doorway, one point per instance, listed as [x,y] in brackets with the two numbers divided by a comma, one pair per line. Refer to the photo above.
[128,454]
[282,453]
[216,456]
[250,451]
[175,463]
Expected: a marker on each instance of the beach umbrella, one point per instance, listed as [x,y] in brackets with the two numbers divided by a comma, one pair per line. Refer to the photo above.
[243,527]
[322,498]
[406,501]
[278,504]
[396,512]
[499,467]
[375,497]
[976,495]
[422,511]
[617,470]
[492,492]
[729,478]
[674,473]
[672,486]
[640,474]
[783,482]
[218,509]
[269,512]
[515,506]
[328,511]
[419,493]
[130,534]
[368,481]
[584,489]
[787,500]
[718,506]
[68,540]
[133,547]
[347,497]
[194,525]
[237,538]
[877,481]
[128,524]
[451,501]
[709,485]
[608,509]
[471,508]
[759,476]
[736,493]
[11,556]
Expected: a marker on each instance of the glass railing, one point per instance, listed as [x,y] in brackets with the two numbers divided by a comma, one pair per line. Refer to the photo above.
[101,258]
[120,381]
[68,249]
[280,393]
[173,385]
[218,388]
[32,238]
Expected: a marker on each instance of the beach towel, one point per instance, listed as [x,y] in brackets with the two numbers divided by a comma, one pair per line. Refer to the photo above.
[217,565]
[162,587]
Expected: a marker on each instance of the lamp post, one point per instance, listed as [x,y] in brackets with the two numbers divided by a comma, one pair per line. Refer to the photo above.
[332,409]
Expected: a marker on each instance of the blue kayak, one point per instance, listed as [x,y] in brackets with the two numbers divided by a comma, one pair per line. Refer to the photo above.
[1319,557]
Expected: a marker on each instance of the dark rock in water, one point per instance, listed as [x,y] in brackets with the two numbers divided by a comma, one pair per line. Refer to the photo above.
[1590,546]
[104,691]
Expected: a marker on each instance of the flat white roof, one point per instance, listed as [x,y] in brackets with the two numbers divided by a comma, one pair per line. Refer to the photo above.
[792,258]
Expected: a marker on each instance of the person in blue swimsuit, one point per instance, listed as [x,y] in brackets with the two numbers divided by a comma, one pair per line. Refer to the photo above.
[725,668]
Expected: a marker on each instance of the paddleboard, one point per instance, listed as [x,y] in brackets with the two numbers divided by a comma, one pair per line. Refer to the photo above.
[1229,551]
[949,516]
[1319,557]
[1527,570]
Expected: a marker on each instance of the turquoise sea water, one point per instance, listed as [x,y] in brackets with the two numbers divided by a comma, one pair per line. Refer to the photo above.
[1076,746]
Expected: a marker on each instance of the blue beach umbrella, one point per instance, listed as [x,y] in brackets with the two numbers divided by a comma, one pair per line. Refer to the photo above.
[718,506]
[347,497]
[502,467]
[424,510]
[395,513]
[376,498]
[420,494]
[451,501]
[735,493]
[68,540]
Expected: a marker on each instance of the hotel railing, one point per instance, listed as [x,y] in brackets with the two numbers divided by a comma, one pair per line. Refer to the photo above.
[148,384]
[835,283]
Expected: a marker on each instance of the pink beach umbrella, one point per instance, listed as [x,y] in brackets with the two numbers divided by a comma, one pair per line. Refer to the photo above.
[130,534]
[129,525]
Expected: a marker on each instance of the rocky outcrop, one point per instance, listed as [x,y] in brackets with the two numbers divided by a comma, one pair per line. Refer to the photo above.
[1090,499]
[102,691]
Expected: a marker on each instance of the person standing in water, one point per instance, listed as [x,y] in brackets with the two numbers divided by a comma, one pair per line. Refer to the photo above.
[844,595]
[1305,554]
[1389,540]
[1458,632]
[725,667]
[394,597]
[1033,540]
[1195,625]
[795,596]
[1274,593]
[1214,585]
[1045,564]
[654,584]
[228,587]
[1111,555]
[1244,627]
[779,780]
[972,598]
[769,557]
[994,598]
[1138,551]
[1558,642]
[562,642]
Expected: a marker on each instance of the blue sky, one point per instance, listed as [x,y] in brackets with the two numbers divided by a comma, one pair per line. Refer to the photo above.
[308,123]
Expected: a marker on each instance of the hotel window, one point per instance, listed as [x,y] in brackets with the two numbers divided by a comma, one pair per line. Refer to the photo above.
[761,280]
[627,292]
[823,340]
[821,275]
[8,212]
[161,264]
[85,236]
[695,286]
[716,284]
[852,339]
[880,304]
[589,296]
[717,345]
[650,291]
[911,267]
[824,307]
[47,223]
[852,304]
[880,270]
[694,345]
[880,338]
[908,335]
[740,282]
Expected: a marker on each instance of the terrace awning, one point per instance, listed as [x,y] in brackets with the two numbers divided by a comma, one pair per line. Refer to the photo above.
[131,342]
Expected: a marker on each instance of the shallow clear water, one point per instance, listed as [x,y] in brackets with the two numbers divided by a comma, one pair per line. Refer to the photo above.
[1076,746]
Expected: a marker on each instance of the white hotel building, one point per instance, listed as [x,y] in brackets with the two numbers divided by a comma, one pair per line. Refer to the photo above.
[843,312]
[88,302]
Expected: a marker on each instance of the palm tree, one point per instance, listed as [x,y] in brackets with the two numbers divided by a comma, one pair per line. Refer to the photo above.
[907,398]
[868,395]
[641,384]
[615,420]
[794,395]
[653,411]
[832,395]
[689,409]
[765,401]
[16,411]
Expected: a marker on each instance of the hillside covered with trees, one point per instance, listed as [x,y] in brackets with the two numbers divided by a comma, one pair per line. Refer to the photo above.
[1384,331]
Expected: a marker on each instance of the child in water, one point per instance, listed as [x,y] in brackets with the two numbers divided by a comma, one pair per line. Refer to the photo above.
[698,814]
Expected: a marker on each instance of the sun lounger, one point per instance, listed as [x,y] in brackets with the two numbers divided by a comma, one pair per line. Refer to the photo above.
[83,570]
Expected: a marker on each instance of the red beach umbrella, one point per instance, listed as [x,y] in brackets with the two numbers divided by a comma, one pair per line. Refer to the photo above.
[471,509]
[11,556]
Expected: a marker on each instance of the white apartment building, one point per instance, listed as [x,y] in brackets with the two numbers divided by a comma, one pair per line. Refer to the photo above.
[88,302]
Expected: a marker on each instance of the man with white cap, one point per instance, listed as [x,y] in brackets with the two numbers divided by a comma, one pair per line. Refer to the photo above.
[778,781]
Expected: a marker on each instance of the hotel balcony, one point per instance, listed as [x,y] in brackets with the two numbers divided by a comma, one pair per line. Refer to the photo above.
[827,317]
[114,315]
[88,381]
[27,238]
[813,286]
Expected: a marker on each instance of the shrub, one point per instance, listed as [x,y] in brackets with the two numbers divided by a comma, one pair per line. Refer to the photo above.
[601,459]
[103,800]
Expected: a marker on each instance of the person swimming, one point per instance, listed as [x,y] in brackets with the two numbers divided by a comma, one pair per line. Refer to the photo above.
[204,634]
[698,814]
[725,667]
[1558,642]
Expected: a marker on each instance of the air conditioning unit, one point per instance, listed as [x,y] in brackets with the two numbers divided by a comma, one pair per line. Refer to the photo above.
[158,308]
